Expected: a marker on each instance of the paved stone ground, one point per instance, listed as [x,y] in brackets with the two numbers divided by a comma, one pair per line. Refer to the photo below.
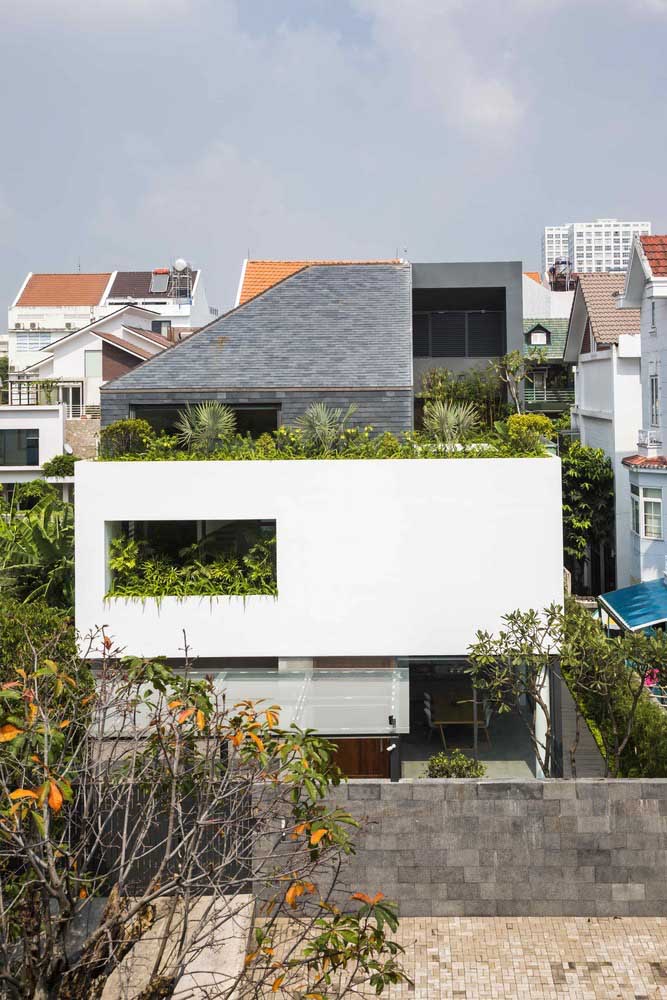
[535,958]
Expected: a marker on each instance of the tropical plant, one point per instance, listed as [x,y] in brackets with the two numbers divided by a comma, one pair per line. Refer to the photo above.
[138,573]
[323,427]
[125,437]
[27,495]
[60,466]
[588,506]
[205,426]
[523,434]
[450,424]
[139,805]
[37,552]
[454,764]
[480,386]
[33,627]
[516,368]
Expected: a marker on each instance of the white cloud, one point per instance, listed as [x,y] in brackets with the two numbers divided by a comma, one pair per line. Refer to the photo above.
[86,14]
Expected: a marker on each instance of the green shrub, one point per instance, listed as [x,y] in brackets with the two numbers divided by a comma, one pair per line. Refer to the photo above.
[60,467]
[28,495]
[137,573]
[524,433]
[33,629]
[454,764]
[126,437]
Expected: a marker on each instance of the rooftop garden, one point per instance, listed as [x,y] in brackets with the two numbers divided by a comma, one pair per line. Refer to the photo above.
[207,432]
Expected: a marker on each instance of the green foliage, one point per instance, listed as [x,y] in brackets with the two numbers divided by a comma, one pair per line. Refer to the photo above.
[60,466]
[523,433]
[29,628]
[206,426]
[323,427]
[454,764]
[480,386]
[450,423]
[515,368]
[126,437]
[37,552]
[588,499]
[28,495]
[138,573]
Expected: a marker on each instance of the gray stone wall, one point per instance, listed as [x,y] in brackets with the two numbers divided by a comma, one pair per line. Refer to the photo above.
[82,435]
[386,409]
[522,848]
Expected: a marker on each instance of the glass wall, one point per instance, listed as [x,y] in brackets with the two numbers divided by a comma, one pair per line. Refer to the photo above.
[19,447]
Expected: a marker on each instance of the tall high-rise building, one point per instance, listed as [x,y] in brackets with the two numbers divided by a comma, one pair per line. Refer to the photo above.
[603,245]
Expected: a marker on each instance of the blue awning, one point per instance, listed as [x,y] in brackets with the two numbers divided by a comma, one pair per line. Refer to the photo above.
[637,607]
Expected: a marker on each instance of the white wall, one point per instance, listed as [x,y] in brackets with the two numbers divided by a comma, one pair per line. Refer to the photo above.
[375,558]
[540,302]
[50,421]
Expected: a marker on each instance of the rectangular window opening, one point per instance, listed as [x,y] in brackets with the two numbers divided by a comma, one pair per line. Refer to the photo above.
[191,558]
[19,447]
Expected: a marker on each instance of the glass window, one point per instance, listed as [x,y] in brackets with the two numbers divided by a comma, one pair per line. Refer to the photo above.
[652,512]
[33,340]
[655,400]
[19,447]
[634,500]
[93,364]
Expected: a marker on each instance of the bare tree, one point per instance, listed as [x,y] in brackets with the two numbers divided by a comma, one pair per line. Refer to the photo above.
[146,825]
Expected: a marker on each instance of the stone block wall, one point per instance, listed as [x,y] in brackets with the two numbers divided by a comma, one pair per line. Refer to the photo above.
[82,435]
[511,848]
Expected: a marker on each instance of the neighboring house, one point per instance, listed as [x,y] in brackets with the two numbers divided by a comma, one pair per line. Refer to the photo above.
[545,320]
[29,437]
[603,245]
[603,344]
[68,380]
[48,306]
[645,293]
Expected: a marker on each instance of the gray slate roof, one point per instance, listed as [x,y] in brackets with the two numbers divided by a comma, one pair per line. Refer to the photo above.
[324,327]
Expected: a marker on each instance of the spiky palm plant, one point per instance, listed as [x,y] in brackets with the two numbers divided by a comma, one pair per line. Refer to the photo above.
[450,423]
[322,425]
[206,426]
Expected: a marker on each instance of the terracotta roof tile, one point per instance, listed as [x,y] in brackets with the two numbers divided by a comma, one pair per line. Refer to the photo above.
[157,338]
[125,345]
[608,322]
[64,290]
[642,462]
[535,275]
[260,275]
[655,250]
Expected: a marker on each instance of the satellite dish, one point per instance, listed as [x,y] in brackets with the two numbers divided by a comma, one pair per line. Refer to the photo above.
[180,264]
[68,449]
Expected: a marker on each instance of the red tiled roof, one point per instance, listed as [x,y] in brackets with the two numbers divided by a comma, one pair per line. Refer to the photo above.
[157,338]
[655,250]
[642,462]
[259,275]
[600,289]
[64,290]
[535,275]
[124,345]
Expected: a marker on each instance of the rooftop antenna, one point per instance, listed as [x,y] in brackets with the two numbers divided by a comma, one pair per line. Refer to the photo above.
[79,265]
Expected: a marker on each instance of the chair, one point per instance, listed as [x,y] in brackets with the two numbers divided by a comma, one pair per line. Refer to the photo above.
[431,726]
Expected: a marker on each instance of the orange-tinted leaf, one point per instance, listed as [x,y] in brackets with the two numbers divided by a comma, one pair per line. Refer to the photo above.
[82,894]
[277,983]
[64,724]
[293,893]
[32,713]
[55,797]
[251,957]
[9,732]
[317,836]
[271,718]
[11,684]
[175,704]
[200,719]
[184,715]
[257,741]
[237,739]
[362,897]
[377,897]
[22,793]
[43,792]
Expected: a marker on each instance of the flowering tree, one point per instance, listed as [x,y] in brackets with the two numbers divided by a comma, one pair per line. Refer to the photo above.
[135,805]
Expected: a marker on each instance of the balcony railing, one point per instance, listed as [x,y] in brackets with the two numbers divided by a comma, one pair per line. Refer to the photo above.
[540,394]
[649,437]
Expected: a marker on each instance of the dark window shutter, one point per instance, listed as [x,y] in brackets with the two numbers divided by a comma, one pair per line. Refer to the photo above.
[420,345]
[485,334]
[448,334]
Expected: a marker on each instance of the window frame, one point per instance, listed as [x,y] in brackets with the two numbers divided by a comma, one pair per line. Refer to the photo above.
[654,400]
[428,334]
[645,506]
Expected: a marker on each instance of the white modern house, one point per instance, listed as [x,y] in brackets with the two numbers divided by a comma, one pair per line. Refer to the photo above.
[49,306]
[29,437]
[601,245]
[385,570]
[603,345]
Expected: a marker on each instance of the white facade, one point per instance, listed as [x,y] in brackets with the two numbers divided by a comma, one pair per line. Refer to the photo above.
[374,558]
[540,302]
[602,245]
[42,431]
[647,487]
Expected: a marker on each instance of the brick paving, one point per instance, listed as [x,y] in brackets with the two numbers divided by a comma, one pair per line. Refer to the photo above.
[535,958]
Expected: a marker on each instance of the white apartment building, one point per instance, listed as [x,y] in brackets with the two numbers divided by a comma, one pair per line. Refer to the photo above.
[50,306]
[602,245]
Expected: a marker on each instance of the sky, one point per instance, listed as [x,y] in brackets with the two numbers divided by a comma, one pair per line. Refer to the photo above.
[138,131]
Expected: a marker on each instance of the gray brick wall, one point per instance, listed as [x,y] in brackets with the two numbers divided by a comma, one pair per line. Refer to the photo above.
[524,848]
[385,409]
